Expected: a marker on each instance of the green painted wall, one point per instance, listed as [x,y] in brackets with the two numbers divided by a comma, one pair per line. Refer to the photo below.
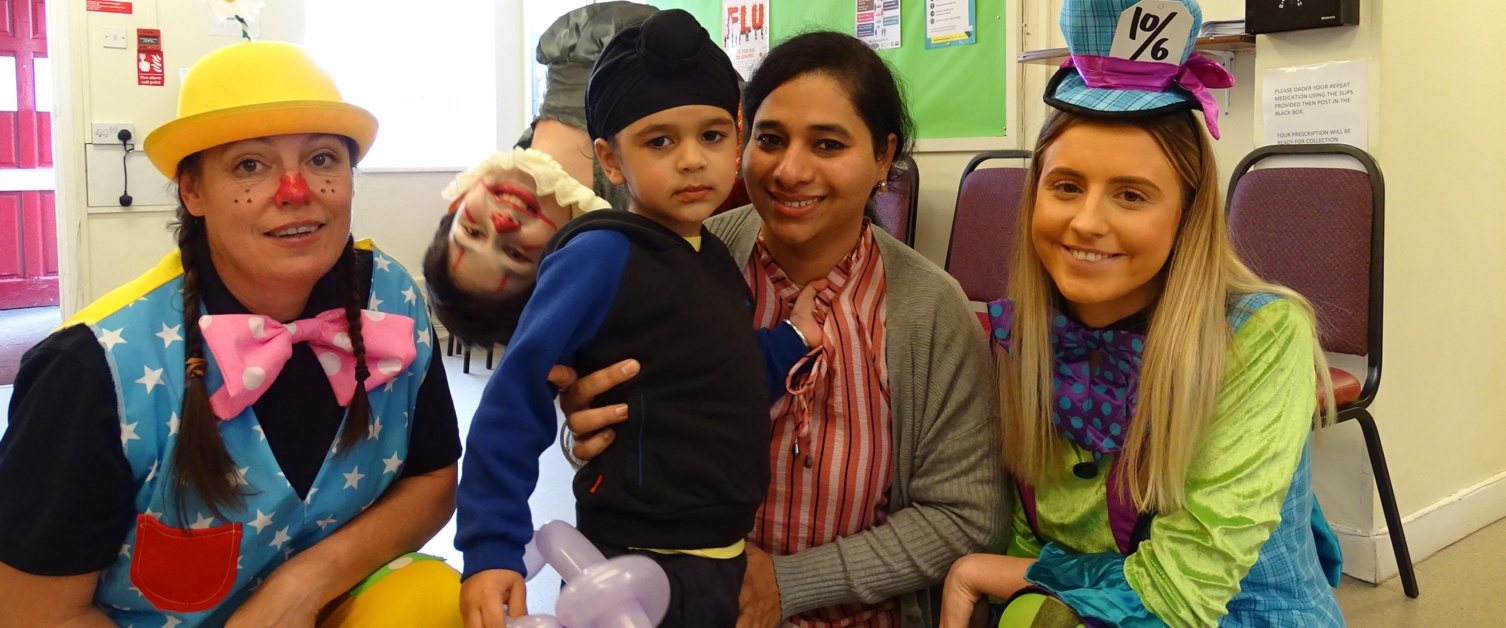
[958,91]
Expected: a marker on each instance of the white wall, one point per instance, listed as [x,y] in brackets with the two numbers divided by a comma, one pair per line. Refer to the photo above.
[1437,133]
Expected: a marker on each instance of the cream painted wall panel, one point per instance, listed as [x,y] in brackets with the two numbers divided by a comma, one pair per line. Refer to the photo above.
[400,211]
[124,245]
[1444,268]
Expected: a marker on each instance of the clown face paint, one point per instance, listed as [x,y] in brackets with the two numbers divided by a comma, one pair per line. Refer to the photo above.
[277,212]
[499,233]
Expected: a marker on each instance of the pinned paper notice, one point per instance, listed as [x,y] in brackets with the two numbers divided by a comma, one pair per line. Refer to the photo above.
[1318,104]
[1153,30]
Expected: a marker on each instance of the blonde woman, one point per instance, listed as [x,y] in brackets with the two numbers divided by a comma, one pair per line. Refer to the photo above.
[1156,396]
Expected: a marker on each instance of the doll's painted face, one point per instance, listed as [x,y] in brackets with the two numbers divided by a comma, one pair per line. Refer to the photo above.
[499,233]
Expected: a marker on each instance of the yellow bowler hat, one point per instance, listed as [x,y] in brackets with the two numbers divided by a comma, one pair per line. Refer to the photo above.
[255,89]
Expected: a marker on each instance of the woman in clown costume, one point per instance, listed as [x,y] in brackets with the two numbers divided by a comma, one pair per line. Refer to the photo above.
[1156,396]
[255,432]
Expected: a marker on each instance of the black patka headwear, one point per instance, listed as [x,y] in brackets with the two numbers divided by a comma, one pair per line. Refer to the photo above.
[665,62]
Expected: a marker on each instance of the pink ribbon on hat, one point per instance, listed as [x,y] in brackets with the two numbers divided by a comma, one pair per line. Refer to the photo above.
[252,349]
[1197,74]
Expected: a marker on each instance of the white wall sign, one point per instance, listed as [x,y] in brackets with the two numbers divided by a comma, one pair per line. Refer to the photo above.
[878,23]
[745,33]
[1318,104]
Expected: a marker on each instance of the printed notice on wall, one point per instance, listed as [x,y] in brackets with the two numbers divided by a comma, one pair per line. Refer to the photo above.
[107,6]
[878,23]
[1318,104]
[745,33]
[950,23]
[149,57]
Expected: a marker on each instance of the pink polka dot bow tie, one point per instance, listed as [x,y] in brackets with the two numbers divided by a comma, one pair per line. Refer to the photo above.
[251,350]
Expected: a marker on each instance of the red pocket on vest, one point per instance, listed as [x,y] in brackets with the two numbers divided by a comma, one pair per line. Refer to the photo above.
[184,571]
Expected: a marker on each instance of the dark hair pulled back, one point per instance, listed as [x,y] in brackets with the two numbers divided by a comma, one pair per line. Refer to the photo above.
[871,85]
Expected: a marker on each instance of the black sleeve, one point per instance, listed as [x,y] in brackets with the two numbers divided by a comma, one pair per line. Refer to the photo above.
[66,492]
[434,442]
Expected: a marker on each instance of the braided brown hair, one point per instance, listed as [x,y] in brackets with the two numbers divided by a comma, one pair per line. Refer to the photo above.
[358,415]
[199,460]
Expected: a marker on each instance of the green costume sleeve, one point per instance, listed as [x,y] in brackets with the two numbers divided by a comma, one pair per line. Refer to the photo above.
[1192,564]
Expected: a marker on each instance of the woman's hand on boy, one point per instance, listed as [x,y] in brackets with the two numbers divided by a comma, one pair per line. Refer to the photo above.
[803,315]
[584,424]
[759,602]
[484,595]
[974,577]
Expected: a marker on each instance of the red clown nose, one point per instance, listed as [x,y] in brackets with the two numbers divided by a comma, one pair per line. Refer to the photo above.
[504,223]
[293,190]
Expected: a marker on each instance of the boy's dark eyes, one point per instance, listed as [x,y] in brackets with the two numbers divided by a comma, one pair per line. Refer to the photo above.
[658,142]
[712,136]
[830,145]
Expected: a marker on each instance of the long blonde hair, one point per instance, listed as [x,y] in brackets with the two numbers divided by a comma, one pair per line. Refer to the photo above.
[1188,338]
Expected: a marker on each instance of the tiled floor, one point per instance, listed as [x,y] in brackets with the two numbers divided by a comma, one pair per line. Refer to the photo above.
[1461,586]
[19,330]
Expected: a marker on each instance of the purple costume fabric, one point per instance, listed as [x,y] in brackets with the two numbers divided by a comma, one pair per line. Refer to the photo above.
[1094,406]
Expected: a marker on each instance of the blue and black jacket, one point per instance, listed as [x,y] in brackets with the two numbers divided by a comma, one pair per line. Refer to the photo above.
[690,466]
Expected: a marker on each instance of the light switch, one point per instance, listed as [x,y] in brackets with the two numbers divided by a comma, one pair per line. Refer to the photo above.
[115,37]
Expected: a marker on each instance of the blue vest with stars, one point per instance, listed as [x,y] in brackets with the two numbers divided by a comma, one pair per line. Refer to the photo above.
[139,326]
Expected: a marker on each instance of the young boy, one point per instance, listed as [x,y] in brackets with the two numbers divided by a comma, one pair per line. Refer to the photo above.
[689,468]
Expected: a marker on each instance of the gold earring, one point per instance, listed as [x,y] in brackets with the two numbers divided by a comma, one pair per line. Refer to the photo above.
[883,186]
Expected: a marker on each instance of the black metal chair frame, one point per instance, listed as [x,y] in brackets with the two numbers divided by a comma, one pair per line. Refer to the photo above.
[465,351]
[972,165]
[1359,408]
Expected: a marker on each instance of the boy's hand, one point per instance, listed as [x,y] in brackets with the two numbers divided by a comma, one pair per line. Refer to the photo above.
[482,597]
[803,316]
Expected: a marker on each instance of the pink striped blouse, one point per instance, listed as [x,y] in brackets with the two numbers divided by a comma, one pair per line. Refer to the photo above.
[832,458]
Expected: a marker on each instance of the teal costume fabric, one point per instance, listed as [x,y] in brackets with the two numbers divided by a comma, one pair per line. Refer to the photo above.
[146,355]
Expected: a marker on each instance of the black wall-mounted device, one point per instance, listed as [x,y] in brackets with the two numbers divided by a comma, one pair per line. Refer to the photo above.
[1274,16]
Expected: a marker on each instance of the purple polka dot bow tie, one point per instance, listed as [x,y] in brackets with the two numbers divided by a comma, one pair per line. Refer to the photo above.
[1094,401]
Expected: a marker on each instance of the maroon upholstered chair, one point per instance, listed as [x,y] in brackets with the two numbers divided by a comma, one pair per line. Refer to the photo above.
[983,225]
[1318,228]
[896,206]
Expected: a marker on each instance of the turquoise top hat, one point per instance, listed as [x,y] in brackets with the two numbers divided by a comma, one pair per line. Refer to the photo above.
[1133,58]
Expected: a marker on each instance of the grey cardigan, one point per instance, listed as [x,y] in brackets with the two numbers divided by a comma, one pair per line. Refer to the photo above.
[949,497]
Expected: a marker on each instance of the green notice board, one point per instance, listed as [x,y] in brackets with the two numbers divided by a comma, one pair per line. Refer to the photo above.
[957,91]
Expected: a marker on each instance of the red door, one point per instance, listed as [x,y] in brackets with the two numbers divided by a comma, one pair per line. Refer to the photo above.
[28,221]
